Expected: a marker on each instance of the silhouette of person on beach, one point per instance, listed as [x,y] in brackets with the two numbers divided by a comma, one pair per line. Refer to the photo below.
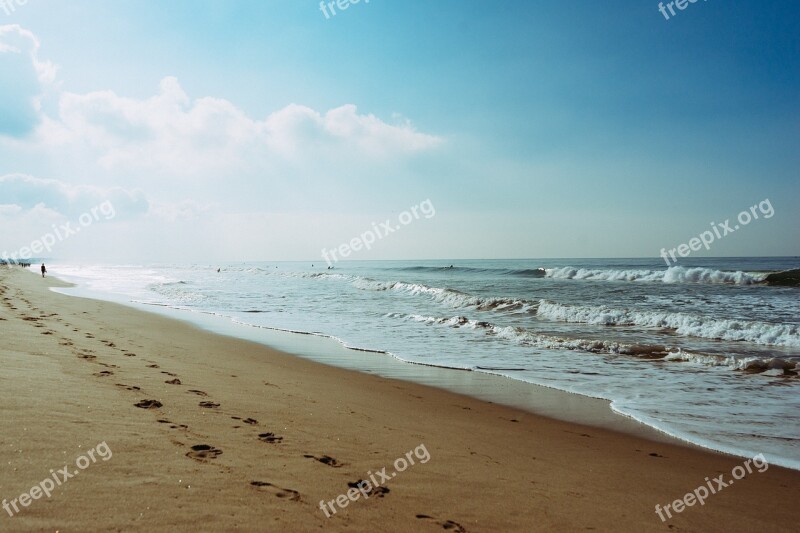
[44,270]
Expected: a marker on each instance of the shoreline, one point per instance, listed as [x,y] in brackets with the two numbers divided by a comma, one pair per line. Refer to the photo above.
[291,432]
[537,399]
[548,401]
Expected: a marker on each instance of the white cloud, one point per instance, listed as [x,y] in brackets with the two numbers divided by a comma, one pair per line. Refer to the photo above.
[23,193]
[24,79]
[295,128]
[189,175]
[17,40]
[174,134]
[9,210]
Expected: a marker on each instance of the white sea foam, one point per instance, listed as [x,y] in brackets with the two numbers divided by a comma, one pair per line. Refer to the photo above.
[682,323]
[675,274]
[772,366]
[449,297]
[524,337]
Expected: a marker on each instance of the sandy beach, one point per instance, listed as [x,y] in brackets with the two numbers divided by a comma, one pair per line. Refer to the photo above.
[173,428]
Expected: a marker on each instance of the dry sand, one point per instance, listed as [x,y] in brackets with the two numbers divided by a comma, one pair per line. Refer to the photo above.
[292,432]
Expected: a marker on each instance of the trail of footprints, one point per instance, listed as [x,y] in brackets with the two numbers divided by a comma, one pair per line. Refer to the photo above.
[204,453]
[199,452]
[207,453]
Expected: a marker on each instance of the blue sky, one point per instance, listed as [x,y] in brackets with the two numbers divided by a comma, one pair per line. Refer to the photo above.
[262,130]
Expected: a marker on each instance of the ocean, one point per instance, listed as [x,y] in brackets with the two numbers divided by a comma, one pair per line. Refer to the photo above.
[707,352]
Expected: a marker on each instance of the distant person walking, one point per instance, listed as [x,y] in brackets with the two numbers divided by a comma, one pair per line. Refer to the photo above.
[44,270]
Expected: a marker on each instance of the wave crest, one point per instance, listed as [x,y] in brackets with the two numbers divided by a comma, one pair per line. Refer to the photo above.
[675,274]
[524,337]
[681,323]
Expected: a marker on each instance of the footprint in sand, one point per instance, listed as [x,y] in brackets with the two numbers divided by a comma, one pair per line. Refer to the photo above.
[128,387]
[129,354]
[203,452]
[209,405]
[198,392]
[447,524]
[86,356]
[103,373]
[153,366]
[148,404]
[380,491]
[271,438]
[288,494]
[326,460]
[168,373]
[173,426]
[251,421]
[175,381]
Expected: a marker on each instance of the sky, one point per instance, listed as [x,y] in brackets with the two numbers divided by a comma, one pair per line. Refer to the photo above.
[238,130]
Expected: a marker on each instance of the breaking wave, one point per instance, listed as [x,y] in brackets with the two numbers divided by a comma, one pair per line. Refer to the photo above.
[681,323]
[524,337]
[449,297]
[674,274]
